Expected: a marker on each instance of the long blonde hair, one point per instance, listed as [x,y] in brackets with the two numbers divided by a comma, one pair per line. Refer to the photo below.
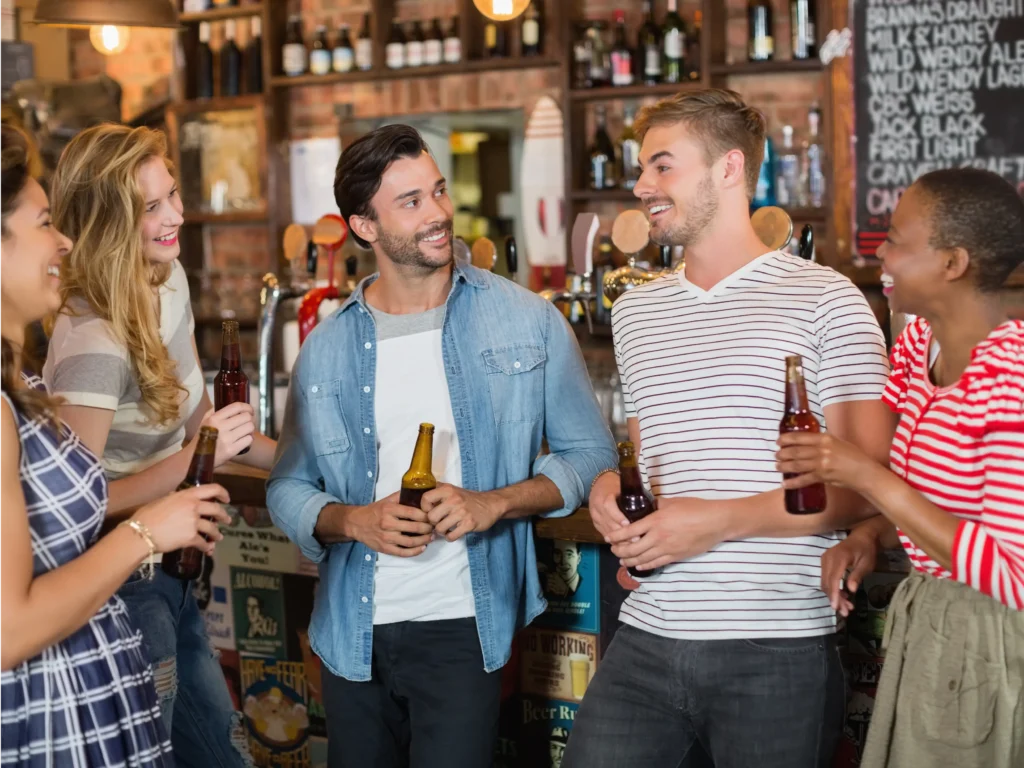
[97,202]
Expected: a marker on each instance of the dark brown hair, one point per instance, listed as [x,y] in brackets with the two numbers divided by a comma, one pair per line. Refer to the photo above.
[17,154]
[362,166]
[720,120]
[981,212]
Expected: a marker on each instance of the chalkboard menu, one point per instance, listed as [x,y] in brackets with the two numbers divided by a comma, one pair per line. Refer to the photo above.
[938,84]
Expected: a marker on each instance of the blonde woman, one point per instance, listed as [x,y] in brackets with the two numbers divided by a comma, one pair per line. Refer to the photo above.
[76,688]
[123,357]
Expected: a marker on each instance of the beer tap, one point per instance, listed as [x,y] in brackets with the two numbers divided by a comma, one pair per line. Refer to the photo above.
[805,248]
[512,258]
[631,233]
[484,254]
[584,234]
[330,232]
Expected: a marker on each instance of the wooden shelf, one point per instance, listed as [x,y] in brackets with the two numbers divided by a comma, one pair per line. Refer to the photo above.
[768,67]
[633,91]
[220,14]
[217,104]
[256,216]
[511,62]
[405,73]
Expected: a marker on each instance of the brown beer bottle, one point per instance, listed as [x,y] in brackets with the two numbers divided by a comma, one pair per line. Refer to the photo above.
[187,563]
[635,501]
[231,385]
[419,479]
[798,418]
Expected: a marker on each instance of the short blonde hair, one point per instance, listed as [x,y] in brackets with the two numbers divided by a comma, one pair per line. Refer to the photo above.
[720,120]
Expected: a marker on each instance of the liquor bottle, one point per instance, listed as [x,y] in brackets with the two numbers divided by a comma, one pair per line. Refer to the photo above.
[187,563]
[649,47]
[787,191]
[343,57]
[673,44]
[254,57]
[433,46]
[414,46]
[364,46]
[453,43]
[629,151]
[634,500]
[420,478]
[693,53]
[797,417]
[581,53]
[495,40]
[622,57]
[532,31]
[230,385]
[395,50]
[294,54]
[230,62]
[802,25]
[760,30]
[320,55]
[600,60]
[601,159]
[204,63]
[813,175]
[764,193]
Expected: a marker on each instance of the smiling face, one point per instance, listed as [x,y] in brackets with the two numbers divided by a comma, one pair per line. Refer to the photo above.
[676,187]
[162,219]
[412,221]
[566,557]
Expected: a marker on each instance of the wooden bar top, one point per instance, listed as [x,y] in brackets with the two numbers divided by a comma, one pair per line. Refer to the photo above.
[247,487]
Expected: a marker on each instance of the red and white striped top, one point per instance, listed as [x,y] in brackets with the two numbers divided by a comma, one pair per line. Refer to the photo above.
[962,447]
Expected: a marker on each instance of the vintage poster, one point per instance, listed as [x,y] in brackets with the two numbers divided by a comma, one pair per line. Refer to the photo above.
[261,547]
[275,712]
[212,591]
[556,664]
[569,577]
[546,725]
[258,600]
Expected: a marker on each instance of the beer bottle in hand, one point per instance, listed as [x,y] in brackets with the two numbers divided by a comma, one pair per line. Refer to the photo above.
[231,385]
[635,501]
[187,563]
[419,479]
[798,418]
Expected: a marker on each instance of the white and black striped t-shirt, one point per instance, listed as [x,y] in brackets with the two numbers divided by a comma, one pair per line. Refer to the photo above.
[704,373]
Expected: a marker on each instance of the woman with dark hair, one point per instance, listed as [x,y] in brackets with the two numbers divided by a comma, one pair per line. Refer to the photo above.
[950,692]
[75,687]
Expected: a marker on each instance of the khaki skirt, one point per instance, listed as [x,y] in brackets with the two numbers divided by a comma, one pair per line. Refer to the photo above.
[950,691]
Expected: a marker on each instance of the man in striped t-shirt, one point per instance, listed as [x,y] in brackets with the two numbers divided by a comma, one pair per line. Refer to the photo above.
[729,644]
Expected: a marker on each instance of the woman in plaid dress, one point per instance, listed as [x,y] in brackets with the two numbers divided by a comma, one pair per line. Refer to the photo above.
[75,688]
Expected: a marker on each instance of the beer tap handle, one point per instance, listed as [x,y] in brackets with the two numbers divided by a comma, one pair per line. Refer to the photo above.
[805,248]
[312,254]
[511,257]
[666,256]
[584,233]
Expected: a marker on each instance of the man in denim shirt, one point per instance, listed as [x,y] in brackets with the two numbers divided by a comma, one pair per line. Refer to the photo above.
[417,608]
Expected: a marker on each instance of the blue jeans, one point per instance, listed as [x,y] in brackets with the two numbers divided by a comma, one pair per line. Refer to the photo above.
[663,703]
[197,710]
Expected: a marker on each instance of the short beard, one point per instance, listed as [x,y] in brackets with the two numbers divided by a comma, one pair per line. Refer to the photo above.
[701,209]
[405,251]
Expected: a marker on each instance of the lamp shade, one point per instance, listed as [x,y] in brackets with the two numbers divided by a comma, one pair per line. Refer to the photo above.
[120,13]
[501,10]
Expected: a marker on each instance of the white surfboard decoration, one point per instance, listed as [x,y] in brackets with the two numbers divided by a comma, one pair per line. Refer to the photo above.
[542,178]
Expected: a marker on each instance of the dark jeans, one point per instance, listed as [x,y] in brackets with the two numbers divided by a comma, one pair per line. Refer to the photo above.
[656,702]
[429,702]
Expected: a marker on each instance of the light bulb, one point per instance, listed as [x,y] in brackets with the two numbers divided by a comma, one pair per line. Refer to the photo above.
[108,39]
[501,10]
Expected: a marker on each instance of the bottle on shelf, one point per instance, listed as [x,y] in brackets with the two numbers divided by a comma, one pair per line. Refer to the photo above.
[622,57]
[629,151]
[204,63]
[673,44]
[433,46]
[343,57]
[803,28]
[414,46]
[760,30]
[813,181]
[581,54]
[797,417]
[693,54]
[320,52]
[364,46]
[187,563]
[293,54]
[764,192]
[787,190]
[601,157]
[254,56]
[532,31]
[453,43]
[230,62]
[495,40]
[649,47]
[395,50]
[600,61]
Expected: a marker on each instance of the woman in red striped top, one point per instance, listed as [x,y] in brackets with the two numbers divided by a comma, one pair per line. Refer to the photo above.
[951,688]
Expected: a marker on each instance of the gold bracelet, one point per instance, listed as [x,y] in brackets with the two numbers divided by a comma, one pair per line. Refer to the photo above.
[600,474]
[149,569]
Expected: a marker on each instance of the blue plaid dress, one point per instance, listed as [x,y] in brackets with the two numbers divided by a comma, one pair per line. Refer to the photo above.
[88,700]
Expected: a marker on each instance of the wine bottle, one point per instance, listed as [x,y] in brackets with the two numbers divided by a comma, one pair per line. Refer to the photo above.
[294,54]
[230,62]
[254,57]
[344,56]
[453,43]
[601,158]
[629,151]
[204,63]
[649,47]
[395,50]
[622,57]
[433,46]
[364,46]
[414,46]
[320,55]
[673,44]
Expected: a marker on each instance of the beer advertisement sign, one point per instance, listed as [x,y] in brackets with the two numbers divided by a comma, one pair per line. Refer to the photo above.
[275,712]
[212,591]
[557,665]
[546,727]
[568,574]
[259,612]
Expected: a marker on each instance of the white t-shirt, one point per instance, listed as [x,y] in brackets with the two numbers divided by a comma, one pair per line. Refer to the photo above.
[436,584]
[704,372]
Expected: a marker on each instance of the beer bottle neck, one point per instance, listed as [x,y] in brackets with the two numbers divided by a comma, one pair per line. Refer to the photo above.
[231,357]
[423,455]
[796,392]
[200,470]
[631,480]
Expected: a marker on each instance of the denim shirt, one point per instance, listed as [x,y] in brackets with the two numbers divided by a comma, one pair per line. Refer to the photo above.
[515,376]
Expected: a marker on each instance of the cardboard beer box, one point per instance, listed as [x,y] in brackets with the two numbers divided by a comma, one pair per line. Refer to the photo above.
[258,598]
[556,664]
[569,577]
[276,715]
[546,726]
